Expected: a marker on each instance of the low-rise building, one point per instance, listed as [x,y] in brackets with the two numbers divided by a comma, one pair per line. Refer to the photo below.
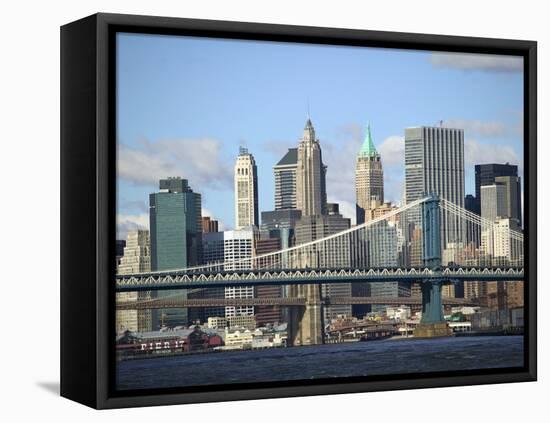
[253,339]
[245,322]
[398,313]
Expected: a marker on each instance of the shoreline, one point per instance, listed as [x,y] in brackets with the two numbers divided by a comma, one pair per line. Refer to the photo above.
[393,338]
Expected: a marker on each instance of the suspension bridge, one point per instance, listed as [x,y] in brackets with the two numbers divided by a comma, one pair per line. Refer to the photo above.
[180,301]
[430,241]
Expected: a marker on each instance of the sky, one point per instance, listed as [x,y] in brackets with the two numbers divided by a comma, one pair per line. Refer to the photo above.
[186,104]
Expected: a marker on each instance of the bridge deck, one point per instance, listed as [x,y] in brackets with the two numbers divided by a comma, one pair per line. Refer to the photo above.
[224,302]
[178,280]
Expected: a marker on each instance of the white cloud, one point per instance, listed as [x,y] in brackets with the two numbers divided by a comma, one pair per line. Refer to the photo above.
[276,148]
[339,156]
[478,127]
[134,205]
[480,62]
[480,153]
[198,160]
[129,222]
[392,151]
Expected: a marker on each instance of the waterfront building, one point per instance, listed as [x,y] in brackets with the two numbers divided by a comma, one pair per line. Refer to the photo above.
[176,237]
[475,290]
[398,313]
[369,180]
[239,246]
[448,291]
[496,295]
[246,322]
[311,194]
[246,190]
[235,250]
[285,180]
[515,294]
[209,225]
[253,339]
[388,290]
[136,258]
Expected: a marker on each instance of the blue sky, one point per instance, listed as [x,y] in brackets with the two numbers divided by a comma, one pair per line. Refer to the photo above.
[185,104]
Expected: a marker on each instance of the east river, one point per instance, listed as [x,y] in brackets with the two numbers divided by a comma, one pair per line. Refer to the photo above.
[323,361]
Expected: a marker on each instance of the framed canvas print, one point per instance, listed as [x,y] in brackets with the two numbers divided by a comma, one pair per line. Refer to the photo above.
[254,211]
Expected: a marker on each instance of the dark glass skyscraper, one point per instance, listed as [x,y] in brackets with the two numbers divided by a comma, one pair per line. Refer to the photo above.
[176,225]
[176,235]
[487,174]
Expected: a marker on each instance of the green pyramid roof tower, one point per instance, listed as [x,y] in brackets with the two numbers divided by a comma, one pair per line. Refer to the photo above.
[368,149]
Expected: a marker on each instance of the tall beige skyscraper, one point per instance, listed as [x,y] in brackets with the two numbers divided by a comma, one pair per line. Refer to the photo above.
[369,179]
[311,195]
[311,199]
[246,190]
[136,259]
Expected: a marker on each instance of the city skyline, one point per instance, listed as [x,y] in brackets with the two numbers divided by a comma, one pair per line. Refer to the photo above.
[161,137]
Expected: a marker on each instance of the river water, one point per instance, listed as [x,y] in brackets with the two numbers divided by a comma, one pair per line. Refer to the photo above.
[323,361]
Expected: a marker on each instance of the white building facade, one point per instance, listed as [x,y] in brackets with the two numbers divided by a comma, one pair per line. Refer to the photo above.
[246,190]
[136,259]
[235,250]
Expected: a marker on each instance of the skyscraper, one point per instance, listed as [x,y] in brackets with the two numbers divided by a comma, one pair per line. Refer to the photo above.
[285,180]
[176,235]
[369,179]
[434,164]
[233,249]
[493,201]
[512,190]
[310,228]
[485,174]
[311,194]
[246,190]
[120,244]
[267,314]
[136,258]
[209,224]
[470,204]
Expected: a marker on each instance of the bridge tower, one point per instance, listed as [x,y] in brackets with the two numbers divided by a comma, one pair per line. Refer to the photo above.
[432,322]
[305,326]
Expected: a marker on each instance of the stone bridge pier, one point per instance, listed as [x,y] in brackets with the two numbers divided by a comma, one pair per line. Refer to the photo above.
[305,326]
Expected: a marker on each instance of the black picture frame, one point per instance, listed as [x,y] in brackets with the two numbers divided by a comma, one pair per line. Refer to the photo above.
[88,150]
